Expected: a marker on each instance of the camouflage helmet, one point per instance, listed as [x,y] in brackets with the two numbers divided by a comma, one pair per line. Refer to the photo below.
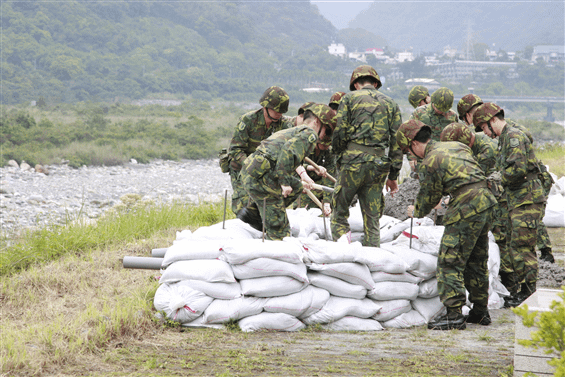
[457,132]
[364,70]
[275,98]
[407,132]
[443,99]
[326,114]
[466,103]
[336,98]
[484,113]
[305,107]
[417,94]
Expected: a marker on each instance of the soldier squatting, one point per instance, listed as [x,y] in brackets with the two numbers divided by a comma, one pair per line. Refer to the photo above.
[482,171]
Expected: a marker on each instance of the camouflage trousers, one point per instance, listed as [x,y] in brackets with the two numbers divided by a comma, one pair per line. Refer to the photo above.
[239,198]
[367,181]
[543,241]
[524,222]
[462,261]
[266,195]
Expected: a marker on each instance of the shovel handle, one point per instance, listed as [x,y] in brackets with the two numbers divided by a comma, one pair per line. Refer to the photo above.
[315,165]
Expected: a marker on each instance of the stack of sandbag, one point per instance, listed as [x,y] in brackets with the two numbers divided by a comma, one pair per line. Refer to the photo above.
[555,209]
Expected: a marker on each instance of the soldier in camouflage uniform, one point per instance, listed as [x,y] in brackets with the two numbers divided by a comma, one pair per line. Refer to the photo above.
[297,120]
[367,121]
[449,168]
[419,96]
[467,106]
[268,173]
[252,128]
[524,191]
[335,99]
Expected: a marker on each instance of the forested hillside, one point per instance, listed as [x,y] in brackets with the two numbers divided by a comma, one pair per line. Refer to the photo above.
[78,51]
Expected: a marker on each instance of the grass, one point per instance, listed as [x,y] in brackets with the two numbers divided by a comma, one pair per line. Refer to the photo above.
[553,155]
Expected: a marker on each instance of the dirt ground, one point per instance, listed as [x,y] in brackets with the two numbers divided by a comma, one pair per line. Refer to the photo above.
[476,351]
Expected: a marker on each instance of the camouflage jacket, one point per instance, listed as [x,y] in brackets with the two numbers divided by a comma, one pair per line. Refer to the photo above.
[368,118]
[249,133]
[446,168]
[519,168]
[285,150]
[485,150]
[437,123]
[325,159]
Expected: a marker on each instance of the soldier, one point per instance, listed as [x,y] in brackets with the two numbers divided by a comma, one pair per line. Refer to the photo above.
[335,100]
[297,120]
[449,168]
[524,192]
[267,173]
[252,128]
[438,113]
[419,96]
[367,121]
[467,106]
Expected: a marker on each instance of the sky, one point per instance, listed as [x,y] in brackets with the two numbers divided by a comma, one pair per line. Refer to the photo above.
[340,12]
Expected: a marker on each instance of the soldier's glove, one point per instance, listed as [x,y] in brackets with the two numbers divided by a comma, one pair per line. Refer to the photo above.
[494,183]
[495,176]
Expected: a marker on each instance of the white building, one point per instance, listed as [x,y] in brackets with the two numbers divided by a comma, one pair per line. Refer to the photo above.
[337,50]
[549,53]
[402,57]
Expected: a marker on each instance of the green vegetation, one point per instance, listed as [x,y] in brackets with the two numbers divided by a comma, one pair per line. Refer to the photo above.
[551,331]
[551,154]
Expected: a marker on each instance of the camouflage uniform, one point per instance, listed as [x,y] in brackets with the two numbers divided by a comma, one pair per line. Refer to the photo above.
[247,136]
[427,115]
[450,168]
[525,197]
[335,99]
[326,159]
[417,94]
[273,165]
[367,121]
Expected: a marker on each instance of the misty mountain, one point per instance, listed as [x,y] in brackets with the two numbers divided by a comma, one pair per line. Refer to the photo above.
[430,26]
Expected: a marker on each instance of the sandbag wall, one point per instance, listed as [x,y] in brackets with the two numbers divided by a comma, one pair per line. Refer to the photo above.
[225,273]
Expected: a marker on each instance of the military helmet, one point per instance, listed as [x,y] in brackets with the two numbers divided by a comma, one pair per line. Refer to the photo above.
[275,98]
[466,103]
[417,94]
[336,98]
[484,113]
[443,99]
[326,114]
[407,132]
[364,70]
[457,132]
[305,107]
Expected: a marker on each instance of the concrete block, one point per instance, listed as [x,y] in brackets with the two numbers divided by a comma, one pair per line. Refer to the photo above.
[531,359]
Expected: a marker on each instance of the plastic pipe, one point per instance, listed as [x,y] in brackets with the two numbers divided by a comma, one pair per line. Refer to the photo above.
[147,263]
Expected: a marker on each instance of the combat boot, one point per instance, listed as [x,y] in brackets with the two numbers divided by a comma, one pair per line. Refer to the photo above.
[251,217]
[479,315]
[453,320]
[526,291]
[546,255]
[512,301]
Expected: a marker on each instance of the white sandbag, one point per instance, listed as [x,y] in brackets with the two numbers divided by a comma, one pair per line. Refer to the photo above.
[429,308]
[180,303]
[558,188]
[419,264]
[355,219]
[263,267]
[240,251]
[378,259]
[428,288]
[319,230]
[189,249]
[301,304]
[555,211]
[322,251]
[353,324]
[335,286]
[210,270]
[222,291]
[495,301]
[199,323]
[222,311]
[339,307]
[183,235]
[405,320]
[426,239]
[405,277]
[271,321]
[392,290]
[354,273]
[272,286]
[391,309]
[234,229]
[392,229]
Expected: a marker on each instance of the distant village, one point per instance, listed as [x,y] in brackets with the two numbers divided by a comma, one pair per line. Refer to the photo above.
[453,64]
